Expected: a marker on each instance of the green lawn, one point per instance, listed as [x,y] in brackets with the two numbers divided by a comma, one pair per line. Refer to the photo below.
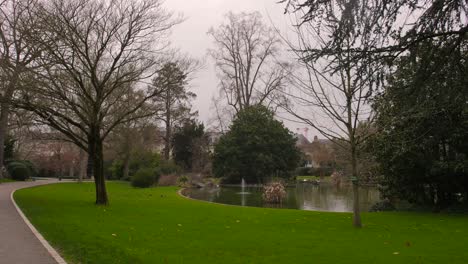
[158,226]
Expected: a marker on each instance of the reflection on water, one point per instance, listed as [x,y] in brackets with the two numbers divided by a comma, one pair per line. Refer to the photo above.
[304,196]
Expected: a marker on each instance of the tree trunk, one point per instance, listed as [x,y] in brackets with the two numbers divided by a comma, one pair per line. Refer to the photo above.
[5,111]
[89,167]
[356,210]
[97,161]
[99,180]
[167,147]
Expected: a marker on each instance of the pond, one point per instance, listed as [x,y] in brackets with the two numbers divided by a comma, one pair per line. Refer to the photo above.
[303,196]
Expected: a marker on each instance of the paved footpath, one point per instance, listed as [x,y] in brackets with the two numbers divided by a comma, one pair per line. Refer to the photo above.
[18,244]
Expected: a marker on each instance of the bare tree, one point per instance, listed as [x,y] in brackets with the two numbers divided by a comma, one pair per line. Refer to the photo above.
[246,53]
[221,116]
[96,52]
[331,93]
[16,55]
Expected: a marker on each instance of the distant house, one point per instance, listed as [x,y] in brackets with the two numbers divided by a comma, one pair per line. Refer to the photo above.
[318,153]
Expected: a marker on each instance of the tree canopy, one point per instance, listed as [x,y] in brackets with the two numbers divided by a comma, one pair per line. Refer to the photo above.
[256,148]
[394,26]
[174,101]
[246,54]
[95,57]
[189,145]
[421,142]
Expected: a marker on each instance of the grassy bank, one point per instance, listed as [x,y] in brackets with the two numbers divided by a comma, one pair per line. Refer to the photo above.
[158,226]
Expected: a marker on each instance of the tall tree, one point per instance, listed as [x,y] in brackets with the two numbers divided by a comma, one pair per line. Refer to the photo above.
[246,53]
[421,142]
[330,91]
[17,55]
[174,101]
[95,53]
[257,147]
[189,145]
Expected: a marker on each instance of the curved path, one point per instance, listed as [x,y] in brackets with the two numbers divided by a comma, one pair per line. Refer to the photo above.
[18,243]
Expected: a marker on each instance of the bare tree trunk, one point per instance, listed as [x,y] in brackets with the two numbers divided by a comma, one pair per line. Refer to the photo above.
[96,155]
[167,147]
[4,114]
[89,167]
[3,131]
[356,210]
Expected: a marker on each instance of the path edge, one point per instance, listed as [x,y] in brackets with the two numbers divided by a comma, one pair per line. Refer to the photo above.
[36,233]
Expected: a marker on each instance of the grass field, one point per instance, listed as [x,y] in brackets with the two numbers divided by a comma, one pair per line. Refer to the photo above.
[158,226]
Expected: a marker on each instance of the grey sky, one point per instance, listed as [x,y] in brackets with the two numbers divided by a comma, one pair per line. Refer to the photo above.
[191,37]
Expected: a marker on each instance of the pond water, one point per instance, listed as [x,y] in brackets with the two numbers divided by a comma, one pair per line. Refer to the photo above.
[303,196]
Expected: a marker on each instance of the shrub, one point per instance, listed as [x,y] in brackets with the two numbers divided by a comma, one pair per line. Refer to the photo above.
[274,192]
[338,178]
[182,181]
[21,170]
[144,178]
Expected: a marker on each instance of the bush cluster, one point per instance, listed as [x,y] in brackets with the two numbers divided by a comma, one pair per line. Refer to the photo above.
[183,181]
[21,170]
[144,178]
[274,192]
[143,161]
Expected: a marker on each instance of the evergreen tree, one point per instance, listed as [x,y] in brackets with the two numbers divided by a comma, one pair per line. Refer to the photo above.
[174,101]
[256,148]
[422,139]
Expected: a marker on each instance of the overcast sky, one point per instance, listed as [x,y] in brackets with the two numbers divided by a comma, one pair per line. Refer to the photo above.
[191,37]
